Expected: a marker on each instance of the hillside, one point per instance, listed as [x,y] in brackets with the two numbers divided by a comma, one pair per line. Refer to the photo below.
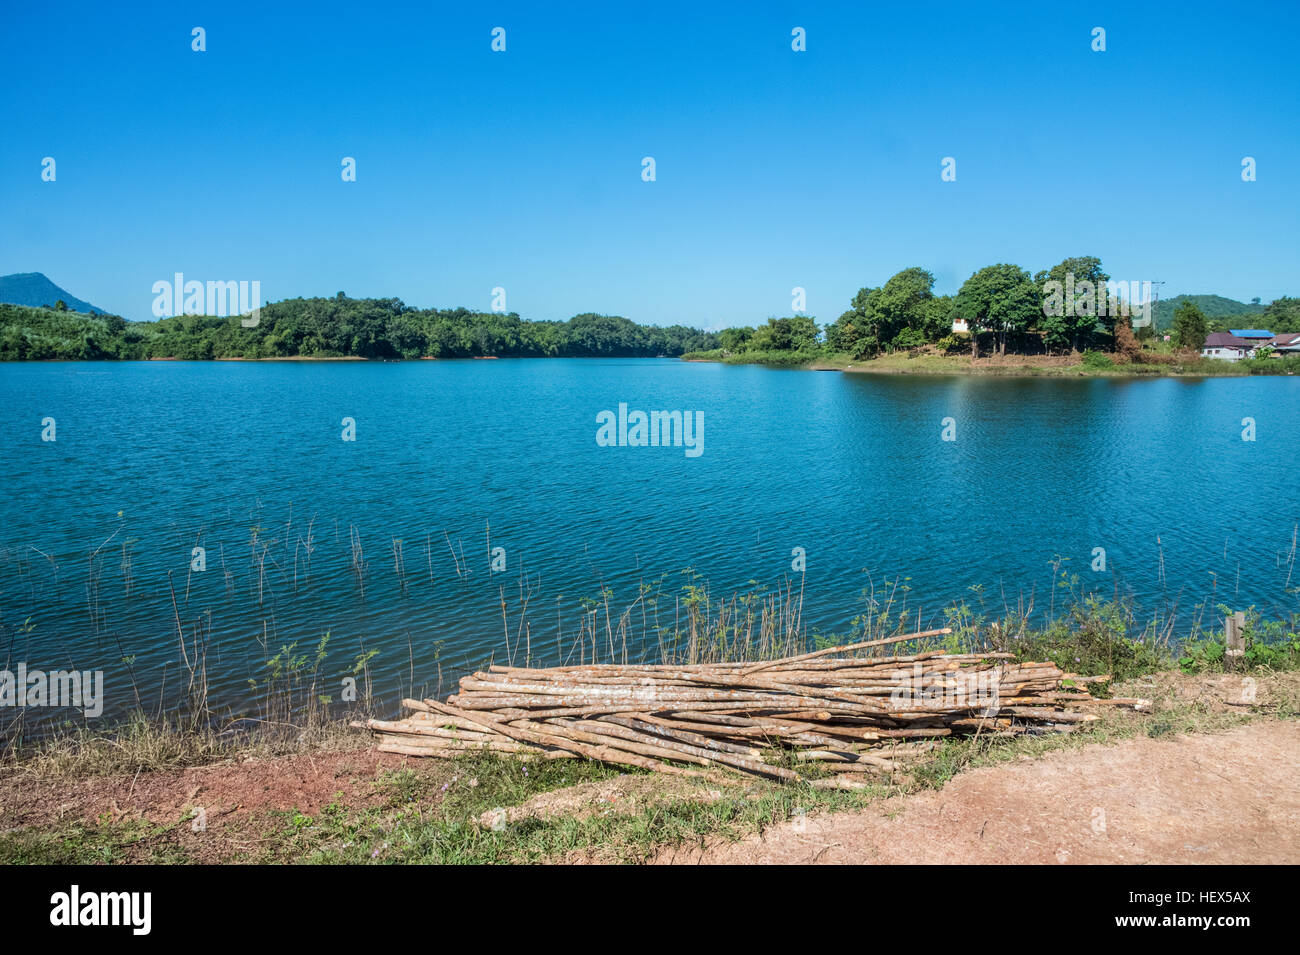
[1212,306]
[36,290]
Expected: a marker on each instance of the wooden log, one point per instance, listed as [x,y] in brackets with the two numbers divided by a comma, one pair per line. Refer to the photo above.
[824,706]
[679,734]
[843,759]
[847,648]
[586,731]
[461,746]
[750,765]
[423,708]
[408,749]
[604,754]
[1234,640]
[839,782]
[411,728]
[1047,715]
[1119,701]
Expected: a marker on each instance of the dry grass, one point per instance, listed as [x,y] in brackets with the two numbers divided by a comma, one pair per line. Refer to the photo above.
[144,745]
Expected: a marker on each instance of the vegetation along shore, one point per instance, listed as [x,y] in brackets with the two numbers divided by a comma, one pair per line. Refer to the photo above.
[1062,321]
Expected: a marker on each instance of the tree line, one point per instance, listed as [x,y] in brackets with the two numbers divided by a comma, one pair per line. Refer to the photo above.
[1002,305]
[1067,308]
[337,327]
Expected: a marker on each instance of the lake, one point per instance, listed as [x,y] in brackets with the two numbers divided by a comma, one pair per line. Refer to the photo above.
[386,542]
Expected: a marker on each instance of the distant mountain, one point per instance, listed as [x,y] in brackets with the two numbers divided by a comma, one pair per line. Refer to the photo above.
[1212,306]
[35,290]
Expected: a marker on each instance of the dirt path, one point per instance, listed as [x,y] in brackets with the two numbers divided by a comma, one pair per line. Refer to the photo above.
[1228,798]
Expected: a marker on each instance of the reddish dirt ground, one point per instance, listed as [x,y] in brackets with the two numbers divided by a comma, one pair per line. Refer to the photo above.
[307,782]
[1228,798]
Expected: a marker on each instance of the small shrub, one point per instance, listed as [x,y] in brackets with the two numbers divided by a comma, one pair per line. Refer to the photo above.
[1092,639]
[908,339]
[1270,645]
[1096,359]
[953,344]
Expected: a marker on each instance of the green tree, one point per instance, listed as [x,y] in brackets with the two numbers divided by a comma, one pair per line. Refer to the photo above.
[937,314]
[797,333]
[1001,299]
[903,307]
[735,339]
[903,313]
[1080,302]
[857,331]
[1189,328]
[1281,315]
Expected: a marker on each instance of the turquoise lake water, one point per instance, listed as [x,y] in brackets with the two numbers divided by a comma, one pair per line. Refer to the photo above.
[247,461]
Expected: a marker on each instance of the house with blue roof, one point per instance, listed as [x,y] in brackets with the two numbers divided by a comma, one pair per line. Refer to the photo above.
[1249,343]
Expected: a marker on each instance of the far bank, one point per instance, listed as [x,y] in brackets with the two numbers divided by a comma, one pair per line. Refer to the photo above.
[1086,365]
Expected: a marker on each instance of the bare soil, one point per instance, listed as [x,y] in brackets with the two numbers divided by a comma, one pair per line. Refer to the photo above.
[1227,798]
[305,782]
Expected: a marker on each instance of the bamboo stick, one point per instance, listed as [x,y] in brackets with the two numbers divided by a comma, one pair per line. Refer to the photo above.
[848,647]
[857,714]
[601,753]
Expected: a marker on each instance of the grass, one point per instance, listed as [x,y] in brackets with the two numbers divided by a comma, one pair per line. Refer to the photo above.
[773,359]
[106,842]
[142,744]
[417,826]
[1042,366]
[1271,645]
[1088,365]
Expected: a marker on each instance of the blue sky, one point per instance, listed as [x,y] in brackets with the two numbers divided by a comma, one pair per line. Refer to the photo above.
[522,169]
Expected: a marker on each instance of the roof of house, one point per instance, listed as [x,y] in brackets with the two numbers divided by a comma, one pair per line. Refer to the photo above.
[1227,340]
[1286,338]
[1251,333]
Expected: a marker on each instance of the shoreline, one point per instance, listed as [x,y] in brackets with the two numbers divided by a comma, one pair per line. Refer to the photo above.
[278,358]
[893,364]
[949,366]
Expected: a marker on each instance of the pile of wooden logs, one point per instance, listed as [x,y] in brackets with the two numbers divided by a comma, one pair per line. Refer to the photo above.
[846,714]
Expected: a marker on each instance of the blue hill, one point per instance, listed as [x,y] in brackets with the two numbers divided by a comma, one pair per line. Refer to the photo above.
[35,290]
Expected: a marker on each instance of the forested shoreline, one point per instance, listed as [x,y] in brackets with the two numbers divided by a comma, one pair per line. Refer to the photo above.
[338,327]
[1066,309]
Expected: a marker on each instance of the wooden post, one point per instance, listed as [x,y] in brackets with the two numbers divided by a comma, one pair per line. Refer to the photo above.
[1234,639]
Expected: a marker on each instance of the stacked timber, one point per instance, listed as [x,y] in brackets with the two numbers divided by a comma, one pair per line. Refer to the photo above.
[846,713]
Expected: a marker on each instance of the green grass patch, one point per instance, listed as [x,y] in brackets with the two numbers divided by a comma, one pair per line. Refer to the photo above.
[105,843]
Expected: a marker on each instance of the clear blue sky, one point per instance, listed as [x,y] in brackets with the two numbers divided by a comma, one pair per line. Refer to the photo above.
[523,169]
